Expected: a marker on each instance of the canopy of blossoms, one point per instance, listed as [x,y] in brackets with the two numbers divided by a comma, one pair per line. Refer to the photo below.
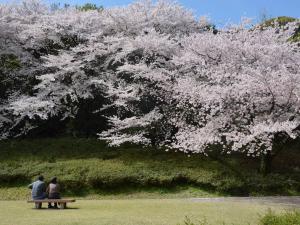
[168,78]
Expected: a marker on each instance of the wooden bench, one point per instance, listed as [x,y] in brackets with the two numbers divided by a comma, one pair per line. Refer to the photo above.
[62,202]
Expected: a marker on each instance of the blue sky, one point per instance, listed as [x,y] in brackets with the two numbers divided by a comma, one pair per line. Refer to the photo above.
[220,11]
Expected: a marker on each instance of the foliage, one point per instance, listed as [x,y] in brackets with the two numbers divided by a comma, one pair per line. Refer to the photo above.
[159,77]
[9,61]
[88,165]
[89,6]
[288,218]
[69,53]
[281,20]
[8,64]
[234,91]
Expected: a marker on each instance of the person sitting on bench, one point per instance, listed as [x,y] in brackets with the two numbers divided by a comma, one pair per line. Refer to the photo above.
[53,191]
[38,189]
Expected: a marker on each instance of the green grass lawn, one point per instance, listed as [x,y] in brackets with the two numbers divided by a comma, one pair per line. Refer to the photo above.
[134,185]
[135,212]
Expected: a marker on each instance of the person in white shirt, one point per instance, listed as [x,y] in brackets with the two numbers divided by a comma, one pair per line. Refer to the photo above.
[53,191]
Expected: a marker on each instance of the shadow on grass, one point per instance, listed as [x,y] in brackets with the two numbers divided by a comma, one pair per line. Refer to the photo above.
[47,209]
[144,192]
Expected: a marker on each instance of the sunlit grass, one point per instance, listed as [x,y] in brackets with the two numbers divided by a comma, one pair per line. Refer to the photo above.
[134,212]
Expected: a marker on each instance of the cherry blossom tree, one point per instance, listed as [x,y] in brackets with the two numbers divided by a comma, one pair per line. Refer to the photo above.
[77,53]
[237,90]
[159,75]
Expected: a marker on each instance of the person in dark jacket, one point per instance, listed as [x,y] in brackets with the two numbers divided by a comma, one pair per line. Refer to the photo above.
[53,191]
[38,189]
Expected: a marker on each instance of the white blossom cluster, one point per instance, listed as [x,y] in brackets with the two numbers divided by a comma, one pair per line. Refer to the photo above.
[170,80]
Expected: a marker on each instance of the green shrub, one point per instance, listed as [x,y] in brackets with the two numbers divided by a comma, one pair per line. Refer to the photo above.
[288,218]
[89,6]
[281,20]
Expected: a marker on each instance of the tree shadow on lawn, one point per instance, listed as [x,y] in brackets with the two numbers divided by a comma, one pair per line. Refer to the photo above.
[137,191]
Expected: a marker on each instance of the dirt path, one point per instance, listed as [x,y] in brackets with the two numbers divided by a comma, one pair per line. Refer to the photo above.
[283,200]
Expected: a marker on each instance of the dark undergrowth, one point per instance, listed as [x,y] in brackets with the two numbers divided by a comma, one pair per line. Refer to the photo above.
[86,166]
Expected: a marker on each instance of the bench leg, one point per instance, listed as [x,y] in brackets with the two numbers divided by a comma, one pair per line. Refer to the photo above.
[38,205]
[63,205]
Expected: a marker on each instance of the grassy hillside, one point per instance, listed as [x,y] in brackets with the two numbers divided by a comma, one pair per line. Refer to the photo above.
[87,167]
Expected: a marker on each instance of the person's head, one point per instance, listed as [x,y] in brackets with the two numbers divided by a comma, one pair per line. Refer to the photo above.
[41,178]
[53,180]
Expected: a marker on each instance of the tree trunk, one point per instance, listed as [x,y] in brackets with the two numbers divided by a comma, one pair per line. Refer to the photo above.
[266,163]
[267,159]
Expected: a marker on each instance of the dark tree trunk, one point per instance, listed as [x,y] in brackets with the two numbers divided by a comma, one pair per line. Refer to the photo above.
[280,141]
[266,163]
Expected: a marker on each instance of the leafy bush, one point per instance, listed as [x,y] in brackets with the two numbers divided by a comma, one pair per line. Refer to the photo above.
[288,218]
[89,6]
